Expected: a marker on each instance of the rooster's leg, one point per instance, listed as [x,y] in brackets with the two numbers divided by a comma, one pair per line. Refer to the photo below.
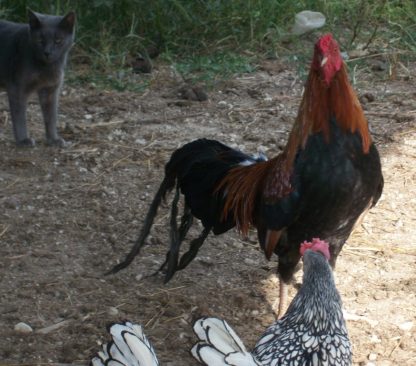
[283,294]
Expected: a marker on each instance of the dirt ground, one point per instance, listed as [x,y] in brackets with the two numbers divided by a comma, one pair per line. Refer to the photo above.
[68,215]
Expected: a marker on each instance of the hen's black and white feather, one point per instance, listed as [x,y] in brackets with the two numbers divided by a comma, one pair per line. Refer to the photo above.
[312,332]
[128,347]
[219,344]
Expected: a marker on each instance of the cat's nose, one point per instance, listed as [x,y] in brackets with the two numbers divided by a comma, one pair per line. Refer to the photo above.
[47,54]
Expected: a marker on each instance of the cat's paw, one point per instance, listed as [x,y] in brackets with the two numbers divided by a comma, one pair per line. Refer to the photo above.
[27,142]
[58,142]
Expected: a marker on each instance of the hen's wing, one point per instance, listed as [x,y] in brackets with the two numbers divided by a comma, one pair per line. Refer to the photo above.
[219,345]
[129,347]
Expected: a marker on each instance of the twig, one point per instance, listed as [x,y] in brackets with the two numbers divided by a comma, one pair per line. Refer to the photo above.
[81,151]
[101,124]
[4,230]
[371,37]
[53,327]
[11,185]
[375,55]
[396,346]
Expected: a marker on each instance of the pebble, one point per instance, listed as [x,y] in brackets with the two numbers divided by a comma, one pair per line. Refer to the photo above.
[372,356]
[112,311]
[23,328]
[250,262]
[375,339]
[406,326]
[140,141]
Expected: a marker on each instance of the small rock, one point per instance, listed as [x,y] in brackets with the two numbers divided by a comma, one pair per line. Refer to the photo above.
[255,312]
[112,311]
[375,339]
[142,65]
[140,141]
[367,98]
[406,326]
[250,262]
[23,328]
[195,93]
[11,202]
[379,65]
[372,356]
[88,116]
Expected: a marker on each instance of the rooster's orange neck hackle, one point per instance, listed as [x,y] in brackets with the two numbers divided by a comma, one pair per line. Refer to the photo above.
[328,95]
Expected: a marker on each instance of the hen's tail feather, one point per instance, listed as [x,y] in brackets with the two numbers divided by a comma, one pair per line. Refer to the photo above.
[129,346]
[165,186]
[219,344]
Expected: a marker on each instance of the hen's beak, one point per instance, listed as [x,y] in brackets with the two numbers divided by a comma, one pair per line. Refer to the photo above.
[324,61]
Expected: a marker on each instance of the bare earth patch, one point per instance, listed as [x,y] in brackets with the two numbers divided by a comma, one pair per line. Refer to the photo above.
[67,216]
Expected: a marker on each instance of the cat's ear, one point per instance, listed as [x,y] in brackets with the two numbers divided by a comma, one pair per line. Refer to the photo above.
[68,22]
[34,21]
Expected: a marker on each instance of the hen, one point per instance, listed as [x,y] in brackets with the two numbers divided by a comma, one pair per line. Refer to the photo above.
[327,176]
[128,347]
[312,332]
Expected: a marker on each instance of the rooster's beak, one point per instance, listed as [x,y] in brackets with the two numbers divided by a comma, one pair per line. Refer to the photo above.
[324,61]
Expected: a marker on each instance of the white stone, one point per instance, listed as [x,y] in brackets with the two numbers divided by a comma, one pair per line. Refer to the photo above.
[112,311]
[406,326]
[372,356]
[23,328]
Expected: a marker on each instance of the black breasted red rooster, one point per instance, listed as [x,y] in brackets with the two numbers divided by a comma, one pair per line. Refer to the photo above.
[328,175]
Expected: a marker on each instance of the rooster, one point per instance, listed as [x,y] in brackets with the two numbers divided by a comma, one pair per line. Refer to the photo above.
[312,332]
[128,347]
[327,176]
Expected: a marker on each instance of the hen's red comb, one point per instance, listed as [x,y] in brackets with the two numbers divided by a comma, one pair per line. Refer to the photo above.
[317,245]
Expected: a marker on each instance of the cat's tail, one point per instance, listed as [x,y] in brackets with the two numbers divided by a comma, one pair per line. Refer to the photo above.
[219,345]
[128,347]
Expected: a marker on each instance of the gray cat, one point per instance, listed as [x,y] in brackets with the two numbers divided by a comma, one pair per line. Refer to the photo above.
[33,58]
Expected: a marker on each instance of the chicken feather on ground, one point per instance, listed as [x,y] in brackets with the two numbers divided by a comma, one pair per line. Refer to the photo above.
[328,175]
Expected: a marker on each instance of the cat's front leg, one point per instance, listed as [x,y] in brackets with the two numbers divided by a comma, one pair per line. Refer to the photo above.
[18,105]
[48,99]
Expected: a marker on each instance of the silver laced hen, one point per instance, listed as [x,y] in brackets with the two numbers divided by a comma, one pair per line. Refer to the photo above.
[128,347]
[311,333]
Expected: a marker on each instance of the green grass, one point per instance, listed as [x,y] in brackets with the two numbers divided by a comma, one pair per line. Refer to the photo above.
[210,68]
[210,39]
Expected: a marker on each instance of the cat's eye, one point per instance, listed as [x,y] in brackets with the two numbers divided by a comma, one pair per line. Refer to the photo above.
[58,40]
